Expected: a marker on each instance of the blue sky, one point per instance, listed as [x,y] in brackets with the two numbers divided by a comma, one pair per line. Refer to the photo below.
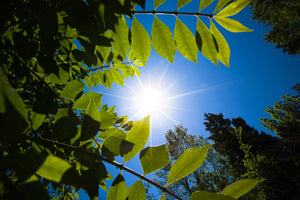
[259,76]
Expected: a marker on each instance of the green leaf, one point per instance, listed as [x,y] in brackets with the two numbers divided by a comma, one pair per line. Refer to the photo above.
[118,189]
[209,195]
[91,121]
[65,125]
[116,146]
[240,187]
[108,81]
[117,76]
[138,135]
[182,3]
[13,115]
[223,47]
[83,102]
[162,197]
[140,41]
[221,4]
[205,42]
[158,3]
[186,42]
[37,120]
[137,191]
[204,4]
[120,37]
[72,89]
[162,40]
[53,168]
[232,25]
[233,8]
[187,163]
[154,158]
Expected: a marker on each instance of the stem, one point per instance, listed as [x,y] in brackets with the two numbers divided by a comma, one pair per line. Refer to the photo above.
[172,13]
[121,166]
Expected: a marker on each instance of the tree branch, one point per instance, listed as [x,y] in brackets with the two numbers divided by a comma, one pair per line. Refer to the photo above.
[120,166]
[172,13]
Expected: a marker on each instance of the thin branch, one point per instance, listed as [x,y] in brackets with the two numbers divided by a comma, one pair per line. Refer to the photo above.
[153,12]
[121,166]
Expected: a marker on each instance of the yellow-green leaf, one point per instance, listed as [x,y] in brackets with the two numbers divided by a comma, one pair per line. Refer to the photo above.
[221,4]
[72,89]
[209,195]
[120,37]
[162,40]
[233,8]
[154,158]
[187,163]
[137,191]
[232,25]
[138,135]
[117,76]
[204,4]
[83,102]
[53,168]
[206,42]
[182,3]
[223,47]
[158,3]
[240,187]
[118,189]
[140,41]
[185,40]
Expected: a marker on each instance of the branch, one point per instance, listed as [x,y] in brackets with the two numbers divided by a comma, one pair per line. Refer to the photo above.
[121,166]
[172,13]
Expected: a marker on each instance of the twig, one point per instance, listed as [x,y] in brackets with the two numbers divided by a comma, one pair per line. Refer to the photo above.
[153,12]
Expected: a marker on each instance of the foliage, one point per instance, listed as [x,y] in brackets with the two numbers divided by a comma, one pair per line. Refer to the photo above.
[283,18]
[213,175]
[55,134]
[258,155]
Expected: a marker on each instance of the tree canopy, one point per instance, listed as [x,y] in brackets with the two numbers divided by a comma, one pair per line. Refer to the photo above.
[283,18]
[55,133]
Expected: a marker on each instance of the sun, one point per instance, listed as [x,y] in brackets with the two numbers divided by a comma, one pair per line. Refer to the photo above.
[149,101]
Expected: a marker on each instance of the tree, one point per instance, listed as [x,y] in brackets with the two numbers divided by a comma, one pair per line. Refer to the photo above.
[258,155]
[284,20]
[213,175]
[55,135]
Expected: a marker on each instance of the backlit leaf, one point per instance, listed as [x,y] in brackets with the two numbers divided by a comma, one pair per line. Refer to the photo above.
[240,187]
[221,4]
[53,168]
[187,163]
[137,191]
[83,102]
[185,40]
[154,158]
[233,8]
[138,135]
[206,42]
[223,47]
[232,25]
[117,76]
[116,146]
[162,40]
[118,189]
[209,195]
[182,3]
[120,37]
[204,4]
[140,41]
[72,89]
[158,3]
[162,197]
[36,120]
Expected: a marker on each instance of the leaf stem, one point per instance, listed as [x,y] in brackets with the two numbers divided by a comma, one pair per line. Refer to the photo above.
[153,12]
[121,166]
